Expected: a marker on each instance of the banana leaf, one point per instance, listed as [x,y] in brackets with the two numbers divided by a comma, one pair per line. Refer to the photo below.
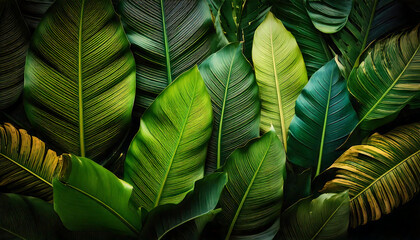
[27,166]
[79,91]
[380,175]
[236,105]
[33,11]
[14,41]
[168,153]
[280,73]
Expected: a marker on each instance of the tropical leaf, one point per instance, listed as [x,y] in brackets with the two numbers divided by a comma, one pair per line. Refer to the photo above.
[297,186]
[280,73]
[239,19]
[168,153]
[387,79]
[27,166]
[252,199]
[162,222]
[168,38]
[368,20]
[236,104]
[324,118]
[380,175]
[328,16]
[315,50]
[89,197]
[71,69]
[324,217]
[14,40]
[33,11]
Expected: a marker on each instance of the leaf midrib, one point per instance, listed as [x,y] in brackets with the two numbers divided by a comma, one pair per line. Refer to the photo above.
[14,234]
[80,81]
[327,221]
[165,39]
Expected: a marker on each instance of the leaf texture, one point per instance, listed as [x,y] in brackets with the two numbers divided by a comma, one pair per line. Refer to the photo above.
[33,11]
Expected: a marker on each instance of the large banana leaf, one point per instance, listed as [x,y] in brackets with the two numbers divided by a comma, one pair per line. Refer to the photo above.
[89,197]
[33,11]
[168,37]
[168,153]
[387,79]
[27,166]
[14,40]
[236,104]
[80,78]
[328,16]
[324,118]
[324,217]
[368,20]
[280,73]
[162,222]
[239,19]
[380,175]
[311,42]
[252,199]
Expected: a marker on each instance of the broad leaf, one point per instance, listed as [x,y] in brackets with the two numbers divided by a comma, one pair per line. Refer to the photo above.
[297,186]
[324,217]
[33,11]
[328,16]
[14,40]
[324,118]
[280,73]
[168,38]
[80,78]
[163,221]
[168,153]
[89,197]
[368,20]
[380,175]
[236,104]
[315,50]
[27,166]
[387,79]
[252,199]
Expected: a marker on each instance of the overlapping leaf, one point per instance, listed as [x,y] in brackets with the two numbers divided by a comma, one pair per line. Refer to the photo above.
[33,11]
[14,40]
[280,73]
[168,153]
[236,104]
[80,78]
[168,38]
[27,166]
[324,118]
[380,175]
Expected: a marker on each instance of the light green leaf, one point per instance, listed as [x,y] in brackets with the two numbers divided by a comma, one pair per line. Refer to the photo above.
[168,153]
[280,73]
[236,104]
[380,175]
[89,197]
[14,40]
[168,38]
[27,166]
[324,118]
[80,78]
[253,197]
[328,16]
[324,217]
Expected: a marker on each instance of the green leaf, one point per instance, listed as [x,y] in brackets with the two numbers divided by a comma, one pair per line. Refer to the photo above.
[252,199]
[236,104]
[27,166]
[387,79]
[14,39]
[324,118]
[33,11]
[280,73]
[324,217]
[168,153]
[168,38]
[297,186]
[199,202]
[89,197]
[328,16]
[368,20]
[79,91]
[293,14]
[380,175]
